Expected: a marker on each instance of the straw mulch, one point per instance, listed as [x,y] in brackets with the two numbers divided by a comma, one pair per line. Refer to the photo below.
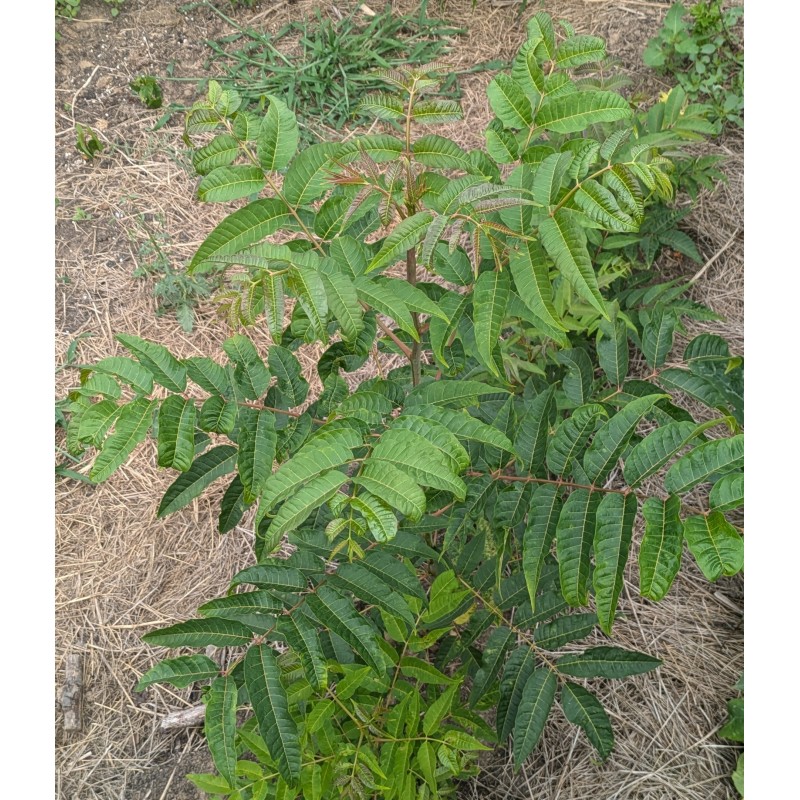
[122,572]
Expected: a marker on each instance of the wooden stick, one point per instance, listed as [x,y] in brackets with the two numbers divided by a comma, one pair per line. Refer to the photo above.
[71,696]
[185,718]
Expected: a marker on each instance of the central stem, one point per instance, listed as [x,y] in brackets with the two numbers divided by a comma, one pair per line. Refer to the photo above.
[414,357]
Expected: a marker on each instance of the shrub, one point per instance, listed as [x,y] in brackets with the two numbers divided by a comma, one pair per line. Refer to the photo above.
[457,521]
[701,49]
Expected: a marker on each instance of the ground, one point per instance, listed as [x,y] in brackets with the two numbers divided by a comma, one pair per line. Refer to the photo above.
[122,572]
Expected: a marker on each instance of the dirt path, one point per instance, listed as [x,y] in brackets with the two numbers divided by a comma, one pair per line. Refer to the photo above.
[122,572]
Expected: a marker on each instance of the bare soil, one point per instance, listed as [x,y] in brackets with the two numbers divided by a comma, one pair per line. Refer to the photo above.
[121,571]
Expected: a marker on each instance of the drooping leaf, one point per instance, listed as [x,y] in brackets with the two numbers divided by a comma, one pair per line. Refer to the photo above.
[366,585]
[610,441]
[600,205]
[612,541]
[220,726]
[534,708]
[301,635]
[518,668]
[393,573]
[490,297]
[606,662]
[208,375]
[221,151]
[130,429]
[385,301]
[662,546]
[463,426]
[180,672]
[176,419]
[727,493]
[127,370]
[563,630]
[262,676]
[582,708]
[217,415]
[509,102]
[658,334]
[275,577]
[251,375]
[578,50]
[338,615]
[543,515]
[494,654]
[530,443]
[257,443]
[531,273]
[441,153]
[204,471]
[571,437]
[574,536]
[715,544]
[565,242]
[458,394]
[343,302]
[308,175]
[164,367]
[709,458]
[577,383]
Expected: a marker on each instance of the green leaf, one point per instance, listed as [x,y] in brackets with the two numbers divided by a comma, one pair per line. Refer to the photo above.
[201,633]
[254,610]
[531,273]
[509,102]
[96,420]
[301,635]
[221,151]
[286,368]
[662,546]
[180,672]
[394,487]
[262,677]
[440,153]
[393,573]
[534,708]
[727,493]
[571,437]
[574,535]
[656,449]
[565,242]
[274,577]
[257,443]
[382,106]
[381,297]
[696,386]
[380,147]
[657,335]
[563,630]
[600,205]
[456,393]
[309,289]
[612,350]
[577,383]
[573,113]
[700,464]
[413,297]
[309,177]
[463,426]
[405,235]
[419,670]
[278,137]
[533,431]
[343,302]
[437,435]
[217,416]
[164,367]
[220,726]
[543,515]
[225,184]
[490,297]
[610,441]
[606,662]
[239,230]
[494,655]
[431,112]
[338,615]
[548,177]
[312,460]
[582,708]
[413,454]
[296,509]
[715,544]
[130,429]
[733,729]
[367,586]
[519,667]
[612,542]
[438,710]
[208,375]
[579,50]
[126,369]
[204,471]
[176,419]
[251,375]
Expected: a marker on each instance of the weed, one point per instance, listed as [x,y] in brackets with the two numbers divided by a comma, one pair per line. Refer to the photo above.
[148,90]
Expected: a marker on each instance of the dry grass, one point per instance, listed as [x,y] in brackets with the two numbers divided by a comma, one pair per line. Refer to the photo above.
[122,571]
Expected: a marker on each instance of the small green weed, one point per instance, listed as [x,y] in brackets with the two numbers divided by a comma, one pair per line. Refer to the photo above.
[733,730]
[175,291]
[702,50]
[86,142]
[330,68]
[146,86]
